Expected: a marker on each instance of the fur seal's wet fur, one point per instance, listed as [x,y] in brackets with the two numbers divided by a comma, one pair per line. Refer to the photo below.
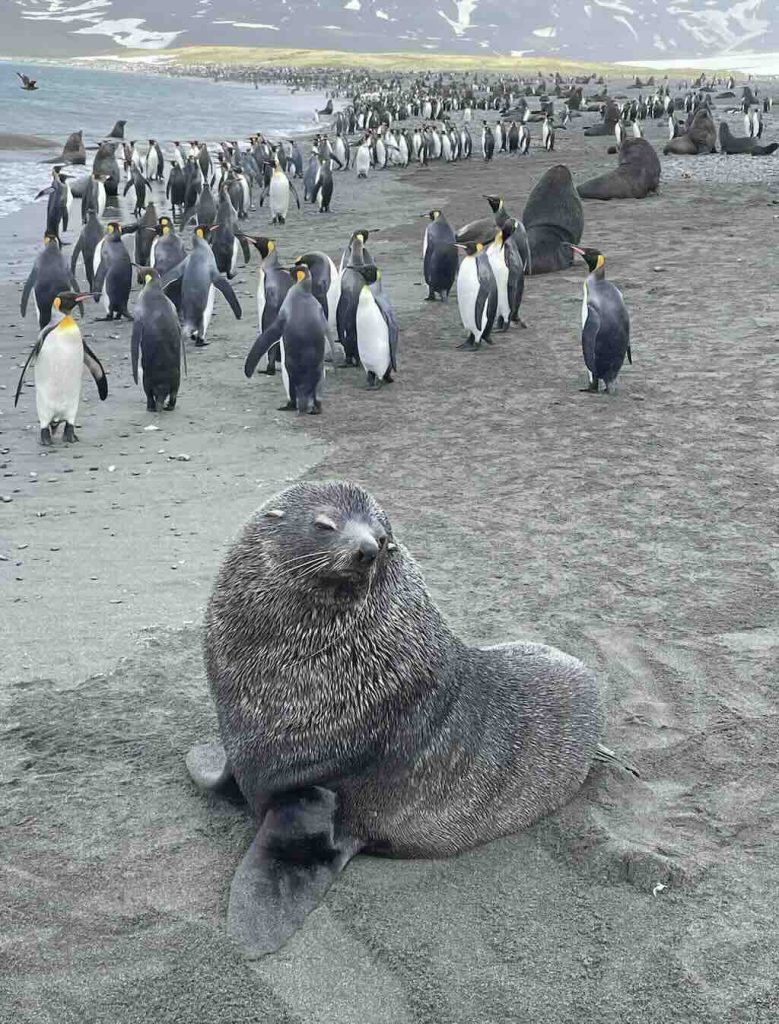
[637,174]
[554,220]
[353,718]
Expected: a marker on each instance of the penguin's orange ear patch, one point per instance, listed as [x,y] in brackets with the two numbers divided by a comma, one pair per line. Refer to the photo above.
[301,275]
[57,302]
[147,278]
[601,261]
[479,247]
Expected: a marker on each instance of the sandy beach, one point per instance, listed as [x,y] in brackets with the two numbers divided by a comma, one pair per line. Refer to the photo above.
[637,532]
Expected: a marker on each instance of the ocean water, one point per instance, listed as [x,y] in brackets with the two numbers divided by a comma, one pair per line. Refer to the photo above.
[154,106]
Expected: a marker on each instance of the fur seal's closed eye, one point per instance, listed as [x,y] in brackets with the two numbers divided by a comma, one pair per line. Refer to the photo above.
[324,522]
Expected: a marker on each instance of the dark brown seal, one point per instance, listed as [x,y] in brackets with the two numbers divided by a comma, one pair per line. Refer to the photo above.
[731,144]
[637,174]
[352,718]
[554,220]
[700,137]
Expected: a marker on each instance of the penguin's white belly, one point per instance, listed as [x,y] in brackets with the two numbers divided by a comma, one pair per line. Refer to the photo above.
[447,148]
[151,163]
[279,196]
[58,377]
[372,339]
[101,196]
[209,309]
[501,272]
[234,260]
[152,253]
[333,295]
[263,363]
[467,293]
[284,374]
[96,255]
[362,163]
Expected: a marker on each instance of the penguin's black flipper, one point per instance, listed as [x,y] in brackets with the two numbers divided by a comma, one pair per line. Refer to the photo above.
[75,256]
[29,284]
[64,217]
[224,286]
[263,343]
[99,279]
[30,359]
[392,326]
[95,367]
[295,194]
[293,861]
[128,186]
[173,274]
[247,253]
[135,346]
[630,355]
[590,336]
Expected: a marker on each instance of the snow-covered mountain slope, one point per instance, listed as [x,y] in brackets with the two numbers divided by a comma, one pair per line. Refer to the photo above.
[577,29]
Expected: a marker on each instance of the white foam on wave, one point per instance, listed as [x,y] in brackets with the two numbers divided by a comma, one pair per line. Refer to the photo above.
[20,182]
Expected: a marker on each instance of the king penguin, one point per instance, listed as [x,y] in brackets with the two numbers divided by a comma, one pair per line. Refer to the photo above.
[377,330]
[58,356]
[199,279]
[605,324]
[301,323]
[156,338]
[439,256]
[50,275]
[477,294]
[114,274]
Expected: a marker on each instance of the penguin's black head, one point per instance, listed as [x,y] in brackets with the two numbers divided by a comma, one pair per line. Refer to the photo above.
[49,239]
[301,274]
[263,245]
[369,271]
[469,248]
[147,274]
[495,202]
[113,228]
[203,231]
[594,258]
[361,233]
[434,214]
[163,226]
[65,302]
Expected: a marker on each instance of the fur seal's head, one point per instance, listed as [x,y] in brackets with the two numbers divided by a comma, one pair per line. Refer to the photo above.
[330,540]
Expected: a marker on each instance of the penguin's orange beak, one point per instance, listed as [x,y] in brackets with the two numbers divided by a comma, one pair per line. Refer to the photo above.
[575,248]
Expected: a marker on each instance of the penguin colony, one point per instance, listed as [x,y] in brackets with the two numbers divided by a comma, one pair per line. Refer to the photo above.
[304,305]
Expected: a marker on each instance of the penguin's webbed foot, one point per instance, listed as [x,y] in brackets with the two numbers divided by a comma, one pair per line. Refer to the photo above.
[591,388]
[388,378]
[70,435]
[469,346]
[200,342]
[46,437]
[269,371]
[151,405]
[289,407]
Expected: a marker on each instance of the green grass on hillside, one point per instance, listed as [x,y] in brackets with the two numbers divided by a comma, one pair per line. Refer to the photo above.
[281,56]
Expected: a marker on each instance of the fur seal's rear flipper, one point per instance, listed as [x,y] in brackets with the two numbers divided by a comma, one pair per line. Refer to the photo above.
[605,756]
[287,870]
[209,767]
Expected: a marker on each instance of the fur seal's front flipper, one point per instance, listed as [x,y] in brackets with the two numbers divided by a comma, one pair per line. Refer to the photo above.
[287,870]
[209,767]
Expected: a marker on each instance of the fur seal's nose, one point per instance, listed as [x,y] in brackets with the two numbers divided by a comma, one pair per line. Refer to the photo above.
[368,550]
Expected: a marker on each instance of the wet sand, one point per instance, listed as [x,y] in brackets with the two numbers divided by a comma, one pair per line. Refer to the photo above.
[636,532]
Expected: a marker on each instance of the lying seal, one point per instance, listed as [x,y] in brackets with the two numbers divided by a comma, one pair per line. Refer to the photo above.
[554,220]
[700,137]
[637,174]
[610,114]
[352,718]
[731,144]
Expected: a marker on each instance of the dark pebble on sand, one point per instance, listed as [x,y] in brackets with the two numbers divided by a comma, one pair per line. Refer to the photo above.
[6,498]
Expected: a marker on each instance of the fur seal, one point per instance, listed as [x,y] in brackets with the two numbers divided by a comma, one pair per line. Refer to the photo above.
[731,144]
[352,717]
[610,113]
[553,219]
[637,174]
[700,137]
